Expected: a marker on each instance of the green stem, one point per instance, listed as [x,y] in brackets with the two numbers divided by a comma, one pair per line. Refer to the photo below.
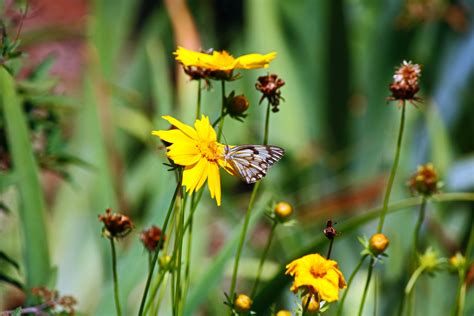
[367,283]
[461,296]
[421,218]
[155,289]
[179,253]
[242,239]
[157,251]
[413,279]
[221,119]
[349,282]
[461,293]
[330,248]
[264,256]
[393,171]
[198,105]
[114,272]
[267,124]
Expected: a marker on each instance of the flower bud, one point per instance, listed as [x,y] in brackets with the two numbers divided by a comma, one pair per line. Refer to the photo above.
[242,303]
[458,261]
[313,304]
[283,313]
[283,210]
[430,260]
[378,243]
[165,262]
[151,238]
[238,105]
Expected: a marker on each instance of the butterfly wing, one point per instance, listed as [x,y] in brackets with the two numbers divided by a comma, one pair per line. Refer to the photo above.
[252,161]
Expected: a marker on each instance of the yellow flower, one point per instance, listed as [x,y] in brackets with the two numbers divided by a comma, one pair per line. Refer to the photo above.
[222,61]
[199,152]
[317,275]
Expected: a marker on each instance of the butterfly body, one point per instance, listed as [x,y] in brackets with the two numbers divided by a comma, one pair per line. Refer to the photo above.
[252,162]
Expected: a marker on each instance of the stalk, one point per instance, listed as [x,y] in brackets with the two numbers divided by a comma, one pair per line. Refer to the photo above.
[114,272]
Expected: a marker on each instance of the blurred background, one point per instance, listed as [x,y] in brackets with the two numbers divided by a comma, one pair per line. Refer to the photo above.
[111,71]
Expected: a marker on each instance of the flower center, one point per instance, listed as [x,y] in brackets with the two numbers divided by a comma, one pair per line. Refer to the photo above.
[209,150]
[318,271]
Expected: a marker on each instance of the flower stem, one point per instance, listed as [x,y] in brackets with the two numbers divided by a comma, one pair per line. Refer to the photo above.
[242,239]
[158,247]
[155,289]
[262,259]
[367,283]
[349,282]
[221,119]
[393,171]
[330,248]
[421,218]
[413,279]
[178,253]
[114,272]
[198,105]
[267,124]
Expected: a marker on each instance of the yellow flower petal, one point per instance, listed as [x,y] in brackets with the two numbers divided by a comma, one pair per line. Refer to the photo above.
[183,154]
[204,129]
[214,182]
[253,61]
[188,130]
[173,136]
[195,175]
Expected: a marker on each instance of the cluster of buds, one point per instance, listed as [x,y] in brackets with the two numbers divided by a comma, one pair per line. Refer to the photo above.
[405,82]
[425,180]
[151,238]
[269,86]
[51,299]
[115,225]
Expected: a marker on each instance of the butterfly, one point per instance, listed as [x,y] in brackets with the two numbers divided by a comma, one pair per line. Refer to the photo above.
[251,162]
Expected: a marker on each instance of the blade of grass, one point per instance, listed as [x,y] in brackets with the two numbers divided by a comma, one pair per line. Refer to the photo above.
[31,209]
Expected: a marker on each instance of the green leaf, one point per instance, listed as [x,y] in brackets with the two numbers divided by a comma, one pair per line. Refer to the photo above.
[6,258]
[31,206]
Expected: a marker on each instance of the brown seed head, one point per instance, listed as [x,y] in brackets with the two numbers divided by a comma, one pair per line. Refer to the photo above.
[242,303]
[425,180]
[151,237]
[115,225]
[378,243]
[405,82]
[330,231]
[269,86]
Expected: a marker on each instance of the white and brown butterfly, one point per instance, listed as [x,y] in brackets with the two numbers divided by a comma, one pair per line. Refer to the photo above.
[252,162]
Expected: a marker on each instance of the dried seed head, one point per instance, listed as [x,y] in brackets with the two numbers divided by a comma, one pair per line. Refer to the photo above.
[115,225]
[405,82]
[425,180]
[330,231]
[151,238]
[242,303]
[378,243]
[269,86]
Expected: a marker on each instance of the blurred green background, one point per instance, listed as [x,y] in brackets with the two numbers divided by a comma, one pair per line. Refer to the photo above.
[113,63]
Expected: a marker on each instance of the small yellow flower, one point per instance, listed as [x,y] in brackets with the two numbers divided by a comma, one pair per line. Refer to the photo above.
[317,275]
[199,152]
[222,61]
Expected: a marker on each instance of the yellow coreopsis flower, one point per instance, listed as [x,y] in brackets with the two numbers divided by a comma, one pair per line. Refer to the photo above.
[317,275]
[222,61]
[199,152]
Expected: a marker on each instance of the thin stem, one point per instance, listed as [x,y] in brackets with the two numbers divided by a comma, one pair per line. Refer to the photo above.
[349,282]
[221,120]
[198,105]
[416,234]
[306,305]
[330,248]
[114,272]
[367,283]
[264,256]
[413,279]
[155,289]
[158,247]
[461,293]
[461,296]
[267,124]
[179,252]
[242,239]
[393,171]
